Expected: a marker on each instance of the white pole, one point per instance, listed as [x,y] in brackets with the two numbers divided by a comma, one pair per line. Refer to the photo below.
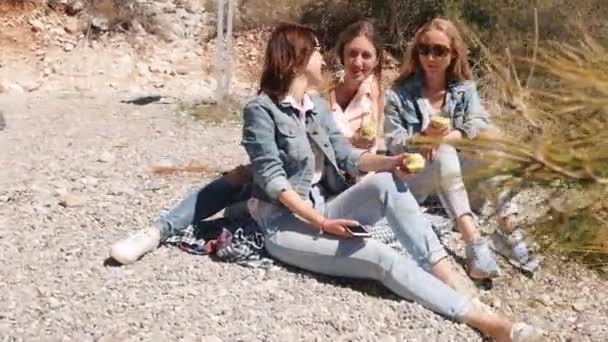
[228,49]
[219,53]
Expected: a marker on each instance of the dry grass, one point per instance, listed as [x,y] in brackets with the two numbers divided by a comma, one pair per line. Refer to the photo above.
[564,143]
[212,112]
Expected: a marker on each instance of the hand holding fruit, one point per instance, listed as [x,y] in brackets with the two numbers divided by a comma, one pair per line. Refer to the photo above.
[438,127]
[407,164]
[365,137]
[413,163]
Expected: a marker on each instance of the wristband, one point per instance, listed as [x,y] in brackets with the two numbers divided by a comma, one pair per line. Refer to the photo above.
[321,228]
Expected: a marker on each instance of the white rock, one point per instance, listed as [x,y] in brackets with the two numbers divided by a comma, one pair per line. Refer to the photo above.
[105,157]
[92,181]
[101,23]
[143,70]
[545,299]
[16,89]
[74,7]
[71,26]
[72,200]
[36,25]
[579,306]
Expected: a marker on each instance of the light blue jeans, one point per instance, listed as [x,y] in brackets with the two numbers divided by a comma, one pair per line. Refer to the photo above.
[443,176]
[201,204]
[296,243]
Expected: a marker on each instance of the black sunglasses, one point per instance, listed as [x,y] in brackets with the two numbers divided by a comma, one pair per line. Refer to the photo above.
[436,50]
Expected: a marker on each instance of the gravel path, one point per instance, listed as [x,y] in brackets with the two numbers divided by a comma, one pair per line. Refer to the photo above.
[75,177]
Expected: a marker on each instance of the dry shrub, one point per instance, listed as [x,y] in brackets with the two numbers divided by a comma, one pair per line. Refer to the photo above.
[564,105]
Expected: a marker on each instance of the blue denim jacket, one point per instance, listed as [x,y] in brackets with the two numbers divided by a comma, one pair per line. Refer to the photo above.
[279,147]
[405,115]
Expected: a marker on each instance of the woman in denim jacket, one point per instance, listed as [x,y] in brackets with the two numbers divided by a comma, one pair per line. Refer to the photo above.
[304,205]
[436,82]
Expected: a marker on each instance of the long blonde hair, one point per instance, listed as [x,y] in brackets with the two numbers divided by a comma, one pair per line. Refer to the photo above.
[458,70]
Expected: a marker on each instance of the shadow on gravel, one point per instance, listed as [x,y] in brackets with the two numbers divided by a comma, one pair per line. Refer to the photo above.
[2,121]
[368,287]
[110,262]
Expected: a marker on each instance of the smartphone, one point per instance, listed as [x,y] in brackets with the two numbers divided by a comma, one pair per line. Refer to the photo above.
[359,231]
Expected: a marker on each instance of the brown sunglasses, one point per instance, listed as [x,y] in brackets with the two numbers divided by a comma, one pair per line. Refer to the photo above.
[436,50]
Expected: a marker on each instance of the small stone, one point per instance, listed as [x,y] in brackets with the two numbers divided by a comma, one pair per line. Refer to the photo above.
[68,47]
[143,70]
[74,7]
[545,299]
[15,89]
[33,86]
[89,181]
[71,26]
[387,338]
[71,200]
[182,70]
[54,303]
[579,306]
[137,28]
[211,338]
[100,23]
[106,157]
[155,69]
[36,25]
[61,192]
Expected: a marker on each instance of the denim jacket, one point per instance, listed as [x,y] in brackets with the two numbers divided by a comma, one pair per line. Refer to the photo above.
[279,148]
[405,115]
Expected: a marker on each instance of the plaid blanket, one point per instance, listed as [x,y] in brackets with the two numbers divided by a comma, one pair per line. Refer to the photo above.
[240,240]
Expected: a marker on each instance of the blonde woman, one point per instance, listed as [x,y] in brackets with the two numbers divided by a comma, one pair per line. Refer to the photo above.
[436,84]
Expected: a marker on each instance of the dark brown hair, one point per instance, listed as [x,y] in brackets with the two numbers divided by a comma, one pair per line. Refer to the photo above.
[287,53]
[362,28]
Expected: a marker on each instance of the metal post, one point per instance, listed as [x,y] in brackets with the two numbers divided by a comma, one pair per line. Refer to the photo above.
[223,53]
[228,50]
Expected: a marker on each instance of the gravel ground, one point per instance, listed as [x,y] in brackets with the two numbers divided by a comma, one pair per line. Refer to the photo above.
[75,177]
[55,285]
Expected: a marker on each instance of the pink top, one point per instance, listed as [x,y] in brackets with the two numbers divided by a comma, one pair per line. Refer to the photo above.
[363,106]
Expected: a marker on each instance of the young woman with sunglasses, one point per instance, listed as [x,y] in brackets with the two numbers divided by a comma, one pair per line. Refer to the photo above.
[304,206]
[436,81]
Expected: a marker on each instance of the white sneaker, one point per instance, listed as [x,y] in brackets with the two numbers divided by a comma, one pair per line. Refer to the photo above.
[522,332]
[128,250]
